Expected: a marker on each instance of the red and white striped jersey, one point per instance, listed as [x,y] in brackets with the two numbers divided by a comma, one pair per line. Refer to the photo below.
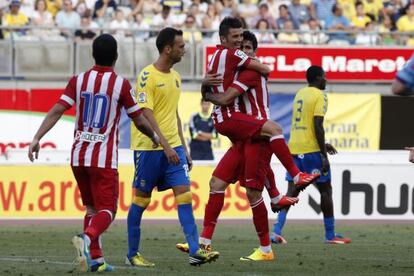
[226,62]
[99,94]
[255,95]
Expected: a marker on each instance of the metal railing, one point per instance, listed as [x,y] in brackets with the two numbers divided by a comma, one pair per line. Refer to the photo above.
[54,57]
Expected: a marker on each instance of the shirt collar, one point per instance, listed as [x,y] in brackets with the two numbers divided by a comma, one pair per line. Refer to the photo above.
[103,68]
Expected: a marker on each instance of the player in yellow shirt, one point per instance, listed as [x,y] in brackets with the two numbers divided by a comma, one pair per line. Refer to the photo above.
[307,144]
[158,91]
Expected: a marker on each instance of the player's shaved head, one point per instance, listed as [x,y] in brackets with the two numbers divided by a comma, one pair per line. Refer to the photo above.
[315,75]
[229,23]
[105,50]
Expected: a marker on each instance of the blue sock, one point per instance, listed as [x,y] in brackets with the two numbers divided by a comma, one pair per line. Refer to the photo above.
[134,228]
[185,214]
[329,228]
[280,222]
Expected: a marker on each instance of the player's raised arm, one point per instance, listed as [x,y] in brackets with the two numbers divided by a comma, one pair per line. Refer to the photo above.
[50,120]
[403,84]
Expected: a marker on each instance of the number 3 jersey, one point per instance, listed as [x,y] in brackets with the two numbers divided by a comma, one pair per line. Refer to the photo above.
[308,103]
[99,94]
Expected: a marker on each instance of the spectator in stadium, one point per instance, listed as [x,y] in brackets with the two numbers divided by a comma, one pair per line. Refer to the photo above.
[214,16]
[348,7]
[360,20]
[190,33]
[86,32]
[119,26]
[140,23]
[14,18]
[194,10]
[299,13]
[247,10]
[283,17]
[53,6]
[274,6]
[229,6]
[287,34]
[374,9]
[177,6]
[264,14]
[338,22]
[202,4]
[84,6]
[67,19]
[104,11]
[322,10]
[312,33]
[392,9]
[202,131]
[164,19]
[263,35]
[386,30]
[368,36]
[42,18]
[406,22]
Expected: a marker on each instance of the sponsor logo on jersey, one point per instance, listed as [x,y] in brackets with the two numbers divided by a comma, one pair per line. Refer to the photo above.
[89,137]
[240,54]
[133,95]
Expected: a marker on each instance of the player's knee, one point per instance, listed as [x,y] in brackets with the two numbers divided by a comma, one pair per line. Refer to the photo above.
[141,201]
[217,184]
[90,210]
[184,198]
[253,195]
[271,128]
[110,212]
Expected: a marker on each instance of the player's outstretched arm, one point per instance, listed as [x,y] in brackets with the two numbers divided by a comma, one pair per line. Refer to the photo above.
[180,133]
[259,67]
[142,124]
[222,98]
[172,156]
[50,120]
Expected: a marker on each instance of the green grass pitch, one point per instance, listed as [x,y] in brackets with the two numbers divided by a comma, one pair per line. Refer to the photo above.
[377,249]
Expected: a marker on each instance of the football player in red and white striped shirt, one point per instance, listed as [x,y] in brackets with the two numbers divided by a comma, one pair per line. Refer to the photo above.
[98,94]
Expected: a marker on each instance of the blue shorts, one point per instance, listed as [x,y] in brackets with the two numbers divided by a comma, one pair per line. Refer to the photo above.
[310,163]
[153,170]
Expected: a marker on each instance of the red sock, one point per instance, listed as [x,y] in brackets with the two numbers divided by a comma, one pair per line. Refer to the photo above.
[213,209]
[270,183]
[261,222]
[98,225]
[282,152]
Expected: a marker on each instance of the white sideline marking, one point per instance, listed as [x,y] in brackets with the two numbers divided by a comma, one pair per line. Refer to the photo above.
[44,261]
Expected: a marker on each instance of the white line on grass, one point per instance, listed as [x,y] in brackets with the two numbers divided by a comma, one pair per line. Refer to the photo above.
[44,261]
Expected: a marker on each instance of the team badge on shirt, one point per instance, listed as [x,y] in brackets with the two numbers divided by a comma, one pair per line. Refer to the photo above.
[240,54]
[142,97]
[133,95]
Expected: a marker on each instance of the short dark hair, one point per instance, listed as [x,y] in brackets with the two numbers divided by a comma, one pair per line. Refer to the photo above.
[249,36]
[313,73]
[166,37]
[229,23]
[104,50]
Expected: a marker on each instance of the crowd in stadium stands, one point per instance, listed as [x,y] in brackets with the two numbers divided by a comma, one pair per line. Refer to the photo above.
[338,22]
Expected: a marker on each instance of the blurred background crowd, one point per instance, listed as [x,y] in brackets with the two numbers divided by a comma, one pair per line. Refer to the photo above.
[340,22]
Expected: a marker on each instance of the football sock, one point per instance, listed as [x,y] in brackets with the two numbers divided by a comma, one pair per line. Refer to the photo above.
[329,227]
[260,221]
[280,222]
[266,249]
[95,247]
[186,217]
[213,209]
[99,224]
[282,152]
[134,228]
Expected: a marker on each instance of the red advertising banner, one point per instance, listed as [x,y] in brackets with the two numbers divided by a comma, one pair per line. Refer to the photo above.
[341,64]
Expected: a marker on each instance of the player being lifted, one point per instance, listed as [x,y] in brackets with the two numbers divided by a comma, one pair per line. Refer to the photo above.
[307,143]
[223,174]
[167,166]
[99,94]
